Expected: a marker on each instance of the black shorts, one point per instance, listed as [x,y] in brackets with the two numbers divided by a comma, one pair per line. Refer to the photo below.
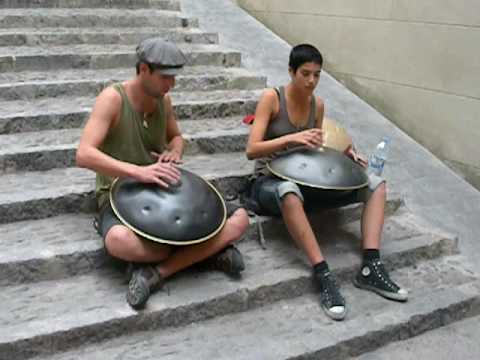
[106,219]
[268,191]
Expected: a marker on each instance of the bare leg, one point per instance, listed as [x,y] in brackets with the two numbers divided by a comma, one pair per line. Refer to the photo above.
[299,227]
[373,218]
[122,243]
[184,257]
[373,276]
[332,301]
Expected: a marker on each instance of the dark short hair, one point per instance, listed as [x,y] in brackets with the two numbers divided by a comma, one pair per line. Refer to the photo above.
[150,66]
[302,54]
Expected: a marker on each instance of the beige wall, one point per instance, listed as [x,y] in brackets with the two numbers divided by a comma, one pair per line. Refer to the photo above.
[418,62]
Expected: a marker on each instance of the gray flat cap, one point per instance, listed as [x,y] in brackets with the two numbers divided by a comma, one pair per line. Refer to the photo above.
[167,57]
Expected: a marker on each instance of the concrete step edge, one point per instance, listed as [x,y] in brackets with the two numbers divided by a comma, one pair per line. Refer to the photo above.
[96,18]
[166,4]
[300,329]
[50,114]
[36,195]
[224,79]
[77,36]
[51,154]
[67,245]
[29,58]
[107,30]
[160,314]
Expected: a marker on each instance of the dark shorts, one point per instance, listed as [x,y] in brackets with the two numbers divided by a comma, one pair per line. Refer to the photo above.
[268,192]
[106,219]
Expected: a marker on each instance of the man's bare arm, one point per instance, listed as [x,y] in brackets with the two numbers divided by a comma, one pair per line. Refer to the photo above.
[175,142]
[102,118]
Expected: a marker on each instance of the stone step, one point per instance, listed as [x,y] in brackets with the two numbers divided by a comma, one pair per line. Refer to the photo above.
[71,112]
[67,245]
[75,36]
[36,85]
[40,194]
[31,58]
[39,314]
[457,340]
[46,150]
[173,5]
[77,75]
[93,18]
[297,328]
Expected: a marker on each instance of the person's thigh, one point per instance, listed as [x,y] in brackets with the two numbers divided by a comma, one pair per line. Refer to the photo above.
[269,192]
[361,195]
[106,221]
[364,194]
[317,199]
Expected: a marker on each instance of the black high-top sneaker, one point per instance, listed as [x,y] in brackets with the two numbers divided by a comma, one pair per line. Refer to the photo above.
[331,300]
[374,277]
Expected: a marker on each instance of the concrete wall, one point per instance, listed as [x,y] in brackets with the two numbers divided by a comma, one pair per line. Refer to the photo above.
[418,62]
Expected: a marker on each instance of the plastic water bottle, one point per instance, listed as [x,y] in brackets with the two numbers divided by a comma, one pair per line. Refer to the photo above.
[377,159]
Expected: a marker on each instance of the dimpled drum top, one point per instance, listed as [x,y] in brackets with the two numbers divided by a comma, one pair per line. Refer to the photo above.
[323,168]
[188,213]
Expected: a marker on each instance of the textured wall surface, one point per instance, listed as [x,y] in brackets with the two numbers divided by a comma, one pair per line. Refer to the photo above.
[416,62]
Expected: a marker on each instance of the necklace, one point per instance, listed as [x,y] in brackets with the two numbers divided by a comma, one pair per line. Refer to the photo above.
[144,122]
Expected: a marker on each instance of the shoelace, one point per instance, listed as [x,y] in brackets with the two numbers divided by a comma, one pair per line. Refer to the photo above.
[330,291]
[382,275]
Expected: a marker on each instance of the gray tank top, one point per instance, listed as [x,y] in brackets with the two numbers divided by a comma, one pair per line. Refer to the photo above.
[280,126]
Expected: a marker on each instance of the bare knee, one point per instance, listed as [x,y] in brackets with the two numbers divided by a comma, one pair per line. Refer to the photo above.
[118,237]
[121,242]
[381,190]
[236,225]
[291,200]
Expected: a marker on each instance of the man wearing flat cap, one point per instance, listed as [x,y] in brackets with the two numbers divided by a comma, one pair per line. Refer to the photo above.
[132,131]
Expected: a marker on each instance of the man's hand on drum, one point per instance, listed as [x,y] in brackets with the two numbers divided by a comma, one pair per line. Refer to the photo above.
[312,138]
[168,156]
[351,152]
[163,174]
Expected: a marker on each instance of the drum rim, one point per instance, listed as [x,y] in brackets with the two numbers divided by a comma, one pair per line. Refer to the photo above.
[166,241]
[316,186]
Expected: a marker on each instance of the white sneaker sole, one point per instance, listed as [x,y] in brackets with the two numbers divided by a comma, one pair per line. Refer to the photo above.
[400,296]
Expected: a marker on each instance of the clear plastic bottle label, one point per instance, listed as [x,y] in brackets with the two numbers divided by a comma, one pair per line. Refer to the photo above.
[375,165]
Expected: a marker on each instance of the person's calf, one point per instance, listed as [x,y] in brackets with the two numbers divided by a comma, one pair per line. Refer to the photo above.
[236,225]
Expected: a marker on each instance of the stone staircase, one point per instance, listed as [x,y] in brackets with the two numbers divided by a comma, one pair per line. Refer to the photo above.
[60,297]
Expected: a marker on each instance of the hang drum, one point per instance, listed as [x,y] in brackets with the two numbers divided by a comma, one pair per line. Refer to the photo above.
[189,213]
[323,169]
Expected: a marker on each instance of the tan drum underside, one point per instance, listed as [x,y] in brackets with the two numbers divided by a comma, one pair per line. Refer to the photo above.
[335,137]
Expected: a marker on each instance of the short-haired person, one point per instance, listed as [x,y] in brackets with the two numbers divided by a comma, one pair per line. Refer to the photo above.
[132,131]
[292,116]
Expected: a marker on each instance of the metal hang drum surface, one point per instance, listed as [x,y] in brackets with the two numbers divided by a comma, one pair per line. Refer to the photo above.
[324,168]
[188,213]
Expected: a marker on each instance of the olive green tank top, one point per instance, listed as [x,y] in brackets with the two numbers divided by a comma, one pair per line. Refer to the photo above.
[132,140]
